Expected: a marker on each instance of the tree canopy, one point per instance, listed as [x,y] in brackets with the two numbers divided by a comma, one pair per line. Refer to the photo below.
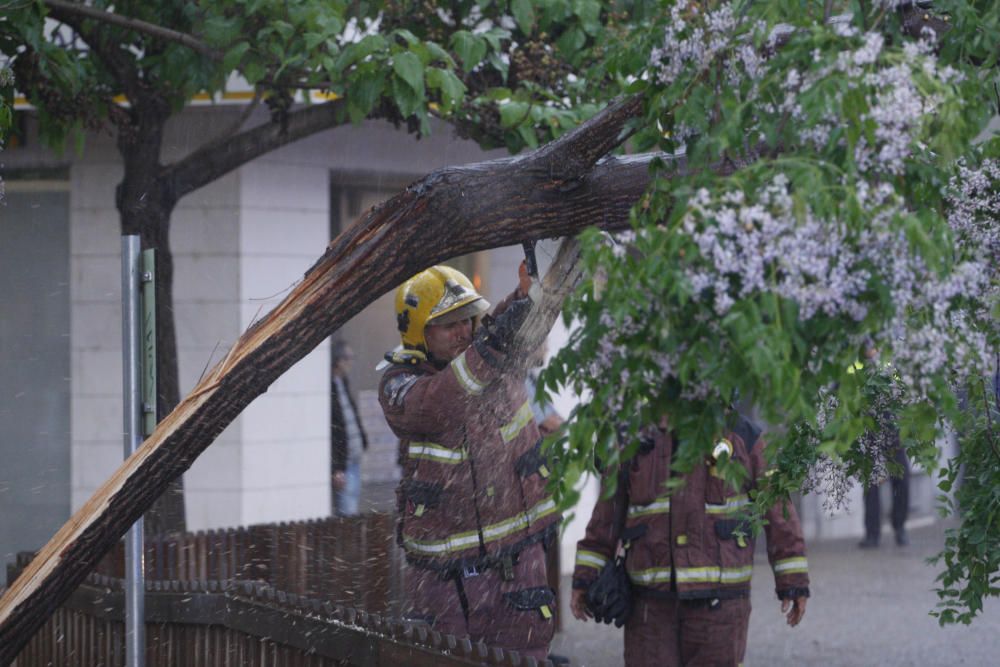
[820,237]
[822,242]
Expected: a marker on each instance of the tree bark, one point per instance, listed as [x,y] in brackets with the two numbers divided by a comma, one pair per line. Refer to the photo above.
[552,192]
[145,201]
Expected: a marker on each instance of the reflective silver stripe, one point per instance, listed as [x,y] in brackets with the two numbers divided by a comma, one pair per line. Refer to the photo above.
[654,575]
[658,506]
[791,565]
[454,543]
[731,505]
[491,533]
[471,385]
[434,452]
[590,559]
[504,528]
[541,510]
[712,574]
[521,419]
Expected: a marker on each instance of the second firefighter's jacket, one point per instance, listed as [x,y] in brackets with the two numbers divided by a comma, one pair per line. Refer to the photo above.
[473,482]
[691,543]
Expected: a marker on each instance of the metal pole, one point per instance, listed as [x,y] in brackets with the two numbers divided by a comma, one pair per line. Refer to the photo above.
[135,630]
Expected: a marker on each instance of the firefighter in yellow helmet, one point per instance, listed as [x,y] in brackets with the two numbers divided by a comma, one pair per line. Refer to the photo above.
[474,517]
[439,298]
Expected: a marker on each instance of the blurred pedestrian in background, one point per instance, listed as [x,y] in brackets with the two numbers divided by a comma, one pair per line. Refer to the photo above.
[347,435]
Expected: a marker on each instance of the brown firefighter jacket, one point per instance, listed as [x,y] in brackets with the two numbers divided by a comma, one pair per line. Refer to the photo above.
[691,543]
[473,482]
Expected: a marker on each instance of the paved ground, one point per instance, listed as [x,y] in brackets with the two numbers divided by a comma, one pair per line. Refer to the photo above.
[867,608]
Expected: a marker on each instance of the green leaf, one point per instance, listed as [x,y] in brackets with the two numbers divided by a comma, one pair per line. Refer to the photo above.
[221,31]
[470,48]
[494,36]
[234,55]
[513,113]
[451,87]
[370,45]
[314,39]
[406,35]
[571,41]
[283,28]
[527,133]
[364,90]
[589,12]
[439,54]
[253,72]
[524,14]
[408,67]
[407,100]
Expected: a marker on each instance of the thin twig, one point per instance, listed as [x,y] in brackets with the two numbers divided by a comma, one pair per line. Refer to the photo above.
[135,24]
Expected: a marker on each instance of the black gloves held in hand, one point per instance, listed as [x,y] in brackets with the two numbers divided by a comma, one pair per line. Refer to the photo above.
[609,598]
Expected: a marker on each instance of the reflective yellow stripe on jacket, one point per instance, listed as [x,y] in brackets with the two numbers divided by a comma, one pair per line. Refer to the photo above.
[491,533]
[522,417]
[659,506]
[662,506]
[590,559]
[653,575]
[791,565]
[431,451]
[714,575]
[470,383]
[731,505]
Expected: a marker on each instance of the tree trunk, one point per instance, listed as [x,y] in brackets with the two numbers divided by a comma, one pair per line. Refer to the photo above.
[145,203]
[553,192]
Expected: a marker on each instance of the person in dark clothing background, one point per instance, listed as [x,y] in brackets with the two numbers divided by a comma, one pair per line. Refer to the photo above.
[347,435]
[900,504]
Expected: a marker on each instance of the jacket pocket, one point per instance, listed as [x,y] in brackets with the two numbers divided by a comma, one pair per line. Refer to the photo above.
[421,496]
[733,529]
[529,599]
[531,462]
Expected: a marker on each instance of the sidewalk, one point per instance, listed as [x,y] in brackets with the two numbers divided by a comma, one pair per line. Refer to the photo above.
[867,608]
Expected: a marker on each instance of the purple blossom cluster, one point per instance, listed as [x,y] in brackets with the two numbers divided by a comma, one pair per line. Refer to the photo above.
[898,106]
[763,246]
[768,245]
[974,211]
[936,326]
[692,39]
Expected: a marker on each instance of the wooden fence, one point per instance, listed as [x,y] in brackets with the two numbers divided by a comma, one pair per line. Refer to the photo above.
[350,561]
[242,625]
[283,594]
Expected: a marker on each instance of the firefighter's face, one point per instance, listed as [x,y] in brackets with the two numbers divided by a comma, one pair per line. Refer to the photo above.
[447,341]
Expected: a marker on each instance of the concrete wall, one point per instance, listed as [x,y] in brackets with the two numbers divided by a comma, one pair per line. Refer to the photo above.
[34,363]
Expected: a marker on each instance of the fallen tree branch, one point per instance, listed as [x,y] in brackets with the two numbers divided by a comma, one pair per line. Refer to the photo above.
[450,212]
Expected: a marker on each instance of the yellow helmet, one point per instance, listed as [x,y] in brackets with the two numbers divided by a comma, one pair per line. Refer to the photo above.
[440,295]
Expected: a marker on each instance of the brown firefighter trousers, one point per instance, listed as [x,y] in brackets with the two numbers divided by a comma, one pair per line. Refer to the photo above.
[665,632]
[492,619]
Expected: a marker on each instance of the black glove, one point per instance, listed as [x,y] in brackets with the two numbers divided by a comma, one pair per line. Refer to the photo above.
[497,333]
[609,598]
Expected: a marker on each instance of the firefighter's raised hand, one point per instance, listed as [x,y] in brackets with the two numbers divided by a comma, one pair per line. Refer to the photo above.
[523,280]
[798,610]
[578,604]
[339,480]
